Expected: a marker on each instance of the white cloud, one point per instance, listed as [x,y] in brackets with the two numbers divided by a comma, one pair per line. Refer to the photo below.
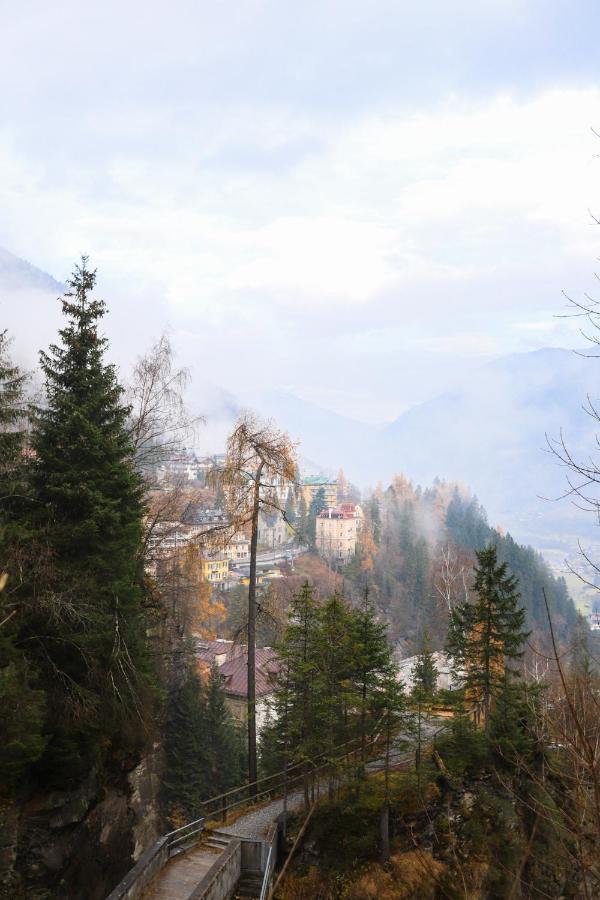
[454,228]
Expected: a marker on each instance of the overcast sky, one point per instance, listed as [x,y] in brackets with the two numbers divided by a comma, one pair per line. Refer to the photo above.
[356,202]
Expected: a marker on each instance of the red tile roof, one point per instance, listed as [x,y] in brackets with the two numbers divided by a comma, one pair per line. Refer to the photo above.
[234,669]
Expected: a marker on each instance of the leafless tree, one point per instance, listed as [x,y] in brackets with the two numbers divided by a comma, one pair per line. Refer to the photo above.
[160,421]
[453,577]
[257,455]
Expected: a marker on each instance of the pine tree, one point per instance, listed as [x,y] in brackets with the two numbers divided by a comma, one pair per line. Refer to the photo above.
[425,673]
[425,676]
[22,701]
[13,416]
[371,661]
[391,708]
[226,765]
[317,505]
[486,636]
[302,527]
[186,781]
[336,663]
[298,733]
[91,630]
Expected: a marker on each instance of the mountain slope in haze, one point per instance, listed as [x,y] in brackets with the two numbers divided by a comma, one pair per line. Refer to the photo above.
[330,439]
[17,274]
[491,435]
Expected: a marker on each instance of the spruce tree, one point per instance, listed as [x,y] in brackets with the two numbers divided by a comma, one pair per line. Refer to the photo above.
[90,630]
[186,778]
[13,417]
[22,701]
[425,673]
[317,505]
[485,637]
[424,686]
[224,743]
[371,661]
[298,733]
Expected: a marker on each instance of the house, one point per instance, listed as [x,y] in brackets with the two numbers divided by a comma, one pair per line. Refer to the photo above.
[312,484]
[215,567]
[232,662]
[237,550]
[273,530]
[336,532]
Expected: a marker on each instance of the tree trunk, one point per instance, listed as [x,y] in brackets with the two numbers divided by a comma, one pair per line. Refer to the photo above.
[385,812]
[384,826]
[252,772]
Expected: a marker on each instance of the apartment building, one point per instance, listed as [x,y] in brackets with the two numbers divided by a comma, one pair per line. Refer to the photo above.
[336,532]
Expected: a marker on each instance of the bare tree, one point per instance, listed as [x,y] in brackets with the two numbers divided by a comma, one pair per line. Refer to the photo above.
[453,577]
[257,456]
[160,421]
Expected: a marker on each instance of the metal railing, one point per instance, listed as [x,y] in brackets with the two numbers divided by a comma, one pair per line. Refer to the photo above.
[307,773]
[184,834]
[269,867]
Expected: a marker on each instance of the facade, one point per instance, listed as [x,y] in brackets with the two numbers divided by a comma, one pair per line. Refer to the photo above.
[215,568]
[232,662]
[311,484]
[238,549]
[336,533]
[273,530]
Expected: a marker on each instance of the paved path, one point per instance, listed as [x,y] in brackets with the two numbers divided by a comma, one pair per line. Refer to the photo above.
[181,875]
[254,825]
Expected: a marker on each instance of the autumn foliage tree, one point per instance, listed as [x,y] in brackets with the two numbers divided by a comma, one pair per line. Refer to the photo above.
[257,456]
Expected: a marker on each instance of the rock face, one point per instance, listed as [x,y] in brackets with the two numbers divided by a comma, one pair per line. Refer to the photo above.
[78,844]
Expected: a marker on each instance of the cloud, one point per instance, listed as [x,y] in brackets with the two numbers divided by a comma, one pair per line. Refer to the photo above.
[368,205]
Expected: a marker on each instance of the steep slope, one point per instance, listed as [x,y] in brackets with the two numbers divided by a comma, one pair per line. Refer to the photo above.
[17,274]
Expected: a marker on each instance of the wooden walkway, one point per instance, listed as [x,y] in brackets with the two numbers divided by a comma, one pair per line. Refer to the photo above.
[181,875]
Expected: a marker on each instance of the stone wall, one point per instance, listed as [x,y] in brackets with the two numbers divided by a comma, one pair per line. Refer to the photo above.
[220,881]
[79,843]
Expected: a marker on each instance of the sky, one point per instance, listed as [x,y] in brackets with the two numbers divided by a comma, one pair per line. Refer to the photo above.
[359,203]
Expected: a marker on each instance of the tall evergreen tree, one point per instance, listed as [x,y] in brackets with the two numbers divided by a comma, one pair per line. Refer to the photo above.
[425,673]
[186,778]
[22,702]
[302,526]
[424,686]
[371,661]
[88,624]
[226,765]
[486,637]
[317,505]
[13,415]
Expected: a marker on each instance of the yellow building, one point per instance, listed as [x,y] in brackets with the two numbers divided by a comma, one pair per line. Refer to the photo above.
[215,569]
[312,484]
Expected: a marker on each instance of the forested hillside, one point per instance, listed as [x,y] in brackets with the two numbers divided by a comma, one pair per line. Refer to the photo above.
[417,551]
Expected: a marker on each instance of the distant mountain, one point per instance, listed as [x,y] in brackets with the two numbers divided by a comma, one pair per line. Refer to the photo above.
[491,435]
[18,274]
[327,438]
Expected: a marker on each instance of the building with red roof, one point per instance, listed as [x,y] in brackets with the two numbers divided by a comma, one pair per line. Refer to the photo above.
[231,660]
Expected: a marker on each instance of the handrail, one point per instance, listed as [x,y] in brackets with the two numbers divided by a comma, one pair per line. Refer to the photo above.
[172,841]
[267,876]
[194,828]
